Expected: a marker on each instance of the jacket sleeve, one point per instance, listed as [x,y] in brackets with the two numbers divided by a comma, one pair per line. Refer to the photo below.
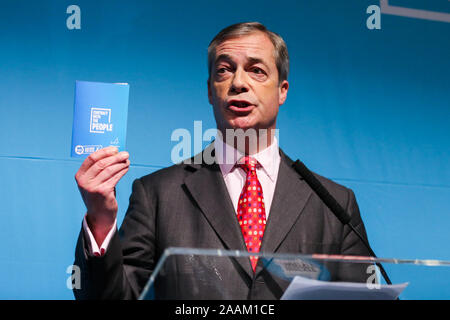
[352,245]
[122,272]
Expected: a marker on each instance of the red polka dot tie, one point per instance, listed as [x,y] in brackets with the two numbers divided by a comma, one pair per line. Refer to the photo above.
[251,211]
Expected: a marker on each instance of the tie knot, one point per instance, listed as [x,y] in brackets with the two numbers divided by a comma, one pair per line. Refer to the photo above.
[248,164]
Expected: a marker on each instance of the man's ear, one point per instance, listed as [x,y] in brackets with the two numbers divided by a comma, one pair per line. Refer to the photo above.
[209,92]
[282,92]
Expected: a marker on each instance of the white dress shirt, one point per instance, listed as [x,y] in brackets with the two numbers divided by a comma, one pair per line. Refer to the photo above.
[234,177]
[267,172]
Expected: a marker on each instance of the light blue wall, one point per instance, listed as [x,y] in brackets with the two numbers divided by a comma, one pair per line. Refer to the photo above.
[367,108]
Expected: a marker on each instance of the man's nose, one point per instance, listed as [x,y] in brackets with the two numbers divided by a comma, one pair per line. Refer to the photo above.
[239,83]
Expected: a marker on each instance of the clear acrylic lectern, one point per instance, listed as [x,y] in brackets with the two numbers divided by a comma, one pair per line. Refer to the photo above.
[198,274]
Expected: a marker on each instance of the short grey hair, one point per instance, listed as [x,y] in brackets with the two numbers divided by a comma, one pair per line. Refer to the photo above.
[245,28]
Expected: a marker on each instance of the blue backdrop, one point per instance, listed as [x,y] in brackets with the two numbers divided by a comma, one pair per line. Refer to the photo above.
[367,108]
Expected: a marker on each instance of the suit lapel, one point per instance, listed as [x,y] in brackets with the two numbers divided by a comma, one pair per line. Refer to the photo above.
[290,197]
[208,189]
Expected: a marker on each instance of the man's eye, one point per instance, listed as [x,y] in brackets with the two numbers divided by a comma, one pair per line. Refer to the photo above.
[258,71]
[221,70]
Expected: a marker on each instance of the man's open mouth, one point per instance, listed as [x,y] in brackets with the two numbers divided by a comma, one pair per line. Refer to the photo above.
[240,106]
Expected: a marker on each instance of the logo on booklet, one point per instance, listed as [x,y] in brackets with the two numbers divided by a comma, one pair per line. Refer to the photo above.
[79,149]
[100,120]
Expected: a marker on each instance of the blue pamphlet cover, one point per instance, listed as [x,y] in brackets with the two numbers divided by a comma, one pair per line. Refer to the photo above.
[99,117]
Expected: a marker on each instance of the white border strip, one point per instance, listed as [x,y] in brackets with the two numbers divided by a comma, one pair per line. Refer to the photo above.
[413,13]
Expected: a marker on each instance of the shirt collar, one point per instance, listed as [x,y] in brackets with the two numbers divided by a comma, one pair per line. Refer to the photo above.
[227,156]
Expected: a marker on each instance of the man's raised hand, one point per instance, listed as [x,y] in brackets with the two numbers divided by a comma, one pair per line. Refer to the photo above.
[97,179]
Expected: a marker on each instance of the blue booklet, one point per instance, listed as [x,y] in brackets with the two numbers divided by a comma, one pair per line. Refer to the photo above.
[99,117]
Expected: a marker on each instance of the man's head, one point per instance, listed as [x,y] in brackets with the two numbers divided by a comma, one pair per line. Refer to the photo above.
[248,69]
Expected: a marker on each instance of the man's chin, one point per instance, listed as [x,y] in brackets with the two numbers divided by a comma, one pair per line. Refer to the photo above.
[243,123]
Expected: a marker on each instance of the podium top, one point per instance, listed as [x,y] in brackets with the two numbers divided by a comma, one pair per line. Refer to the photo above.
[194,273]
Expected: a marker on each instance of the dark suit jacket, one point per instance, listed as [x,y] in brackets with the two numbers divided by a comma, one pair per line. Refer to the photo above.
[187,205]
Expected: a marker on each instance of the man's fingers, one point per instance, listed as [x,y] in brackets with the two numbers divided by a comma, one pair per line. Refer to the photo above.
[105,163]
[110,171]
[112,182]
[96,156]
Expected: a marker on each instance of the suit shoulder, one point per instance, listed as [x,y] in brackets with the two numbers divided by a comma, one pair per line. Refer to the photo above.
[338,191]
[173,174]
[333,187]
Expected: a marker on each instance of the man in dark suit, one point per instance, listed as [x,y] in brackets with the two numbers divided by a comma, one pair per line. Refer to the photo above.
[248,198]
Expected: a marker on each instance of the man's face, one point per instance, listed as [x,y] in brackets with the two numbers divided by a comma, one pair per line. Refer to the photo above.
[243,88]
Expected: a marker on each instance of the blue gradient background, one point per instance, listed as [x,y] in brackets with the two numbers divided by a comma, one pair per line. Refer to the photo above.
[367,108]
